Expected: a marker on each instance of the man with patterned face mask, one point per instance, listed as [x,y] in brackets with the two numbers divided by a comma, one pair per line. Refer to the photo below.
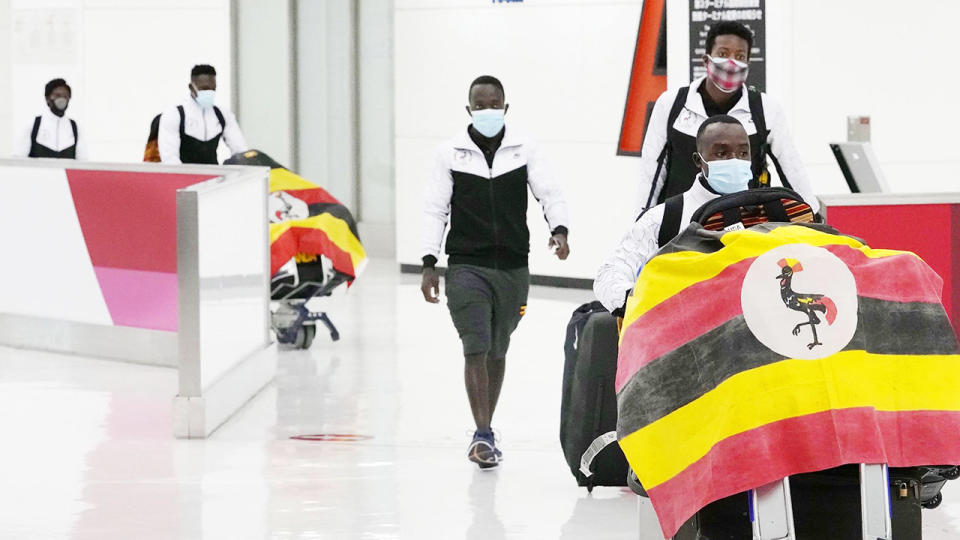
[52,134]
[191,132]
[479,187]
[676,117]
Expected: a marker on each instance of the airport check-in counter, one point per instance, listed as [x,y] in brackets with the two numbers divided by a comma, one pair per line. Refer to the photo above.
[926,224]
[147,263]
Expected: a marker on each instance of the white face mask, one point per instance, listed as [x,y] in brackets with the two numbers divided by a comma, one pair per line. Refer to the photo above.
[488,122]
[729,175]
[205,98]
[61,103]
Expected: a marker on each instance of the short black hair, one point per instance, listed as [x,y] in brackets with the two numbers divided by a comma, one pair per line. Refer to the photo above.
[53,85]
[202,69]
[728,28]
[486,79]
[717,119]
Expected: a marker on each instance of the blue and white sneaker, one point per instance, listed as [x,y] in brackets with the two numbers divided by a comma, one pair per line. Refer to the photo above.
[483,450]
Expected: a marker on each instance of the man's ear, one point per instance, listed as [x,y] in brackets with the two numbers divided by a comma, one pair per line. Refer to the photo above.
[505,107]
[467,107]
[192,88]
[698,161]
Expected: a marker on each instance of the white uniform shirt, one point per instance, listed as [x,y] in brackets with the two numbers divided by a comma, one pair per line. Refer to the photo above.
[56,133]
[688,122]
[201,124]
[620,269]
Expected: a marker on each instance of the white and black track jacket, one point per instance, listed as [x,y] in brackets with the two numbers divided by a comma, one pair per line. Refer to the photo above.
[486,207]
[55,133]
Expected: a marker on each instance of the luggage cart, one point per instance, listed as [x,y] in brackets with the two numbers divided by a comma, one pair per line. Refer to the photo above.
[290,289]
[771,510]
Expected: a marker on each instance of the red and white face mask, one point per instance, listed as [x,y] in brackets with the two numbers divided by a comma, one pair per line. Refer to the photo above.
[726,73]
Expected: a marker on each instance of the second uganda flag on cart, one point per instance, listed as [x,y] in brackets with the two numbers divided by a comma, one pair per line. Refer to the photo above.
[779,350]
[306,221]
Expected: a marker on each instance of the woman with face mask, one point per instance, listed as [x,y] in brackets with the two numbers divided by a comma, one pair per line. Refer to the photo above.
[52,134]
[191,132]
[666,169]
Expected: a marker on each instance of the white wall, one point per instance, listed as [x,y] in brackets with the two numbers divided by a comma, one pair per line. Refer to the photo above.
[376,159]
[265,74]
[126,60]
[566,63]
[878,58]
[326,96]
[827,60]
[565,66]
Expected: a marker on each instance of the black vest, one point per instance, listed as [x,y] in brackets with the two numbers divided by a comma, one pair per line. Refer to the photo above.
[196,151]
[38,150]
[677,154]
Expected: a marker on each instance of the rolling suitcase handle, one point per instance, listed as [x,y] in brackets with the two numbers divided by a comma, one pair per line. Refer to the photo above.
[771,511]
[875,502]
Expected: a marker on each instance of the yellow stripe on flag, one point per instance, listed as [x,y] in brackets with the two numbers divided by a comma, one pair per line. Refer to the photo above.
[284,180]
[335,228]
[666,275]
[791,388]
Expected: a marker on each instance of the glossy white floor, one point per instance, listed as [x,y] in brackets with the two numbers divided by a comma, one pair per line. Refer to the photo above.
[87,451]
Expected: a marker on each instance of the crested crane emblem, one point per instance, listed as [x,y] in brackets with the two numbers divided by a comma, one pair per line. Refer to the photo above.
[800,301]
[806,303]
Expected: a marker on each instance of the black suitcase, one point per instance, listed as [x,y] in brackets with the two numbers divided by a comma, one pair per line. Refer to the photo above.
[588,409]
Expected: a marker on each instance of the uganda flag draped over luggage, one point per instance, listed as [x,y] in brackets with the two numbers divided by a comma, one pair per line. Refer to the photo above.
[752,355]
[306,221]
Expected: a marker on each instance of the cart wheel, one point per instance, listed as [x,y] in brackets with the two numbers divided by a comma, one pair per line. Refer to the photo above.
[951,474]
[934,502]
[589,487]
[309,332]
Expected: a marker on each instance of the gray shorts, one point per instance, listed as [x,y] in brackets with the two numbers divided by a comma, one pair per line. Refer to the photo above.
[486,306]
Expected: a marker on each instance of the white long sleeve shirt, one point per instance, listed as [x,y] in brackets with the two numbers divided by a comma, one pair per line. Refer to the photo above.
[463,159]
[56,133]
[688,122]
[620,269]
[201,124]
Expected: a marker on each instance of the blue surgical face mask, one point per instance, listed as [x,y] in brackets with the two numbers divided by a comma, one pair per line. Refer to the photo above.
[205,98]
[729,175]
[488,122]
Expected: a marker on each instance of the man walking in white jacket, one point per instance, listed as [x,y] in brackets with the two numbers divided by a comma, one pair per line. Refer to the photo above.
[479,186]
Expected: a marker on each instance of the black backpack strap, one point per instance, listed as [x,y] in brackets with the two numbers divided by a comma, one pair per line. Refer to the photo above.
[223,123]
[670,225]
[731,215]
[183,120]
[73,124]
[755,102]
[755,99]
[775,211]
[675,110]
[35,131]
[776,163]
